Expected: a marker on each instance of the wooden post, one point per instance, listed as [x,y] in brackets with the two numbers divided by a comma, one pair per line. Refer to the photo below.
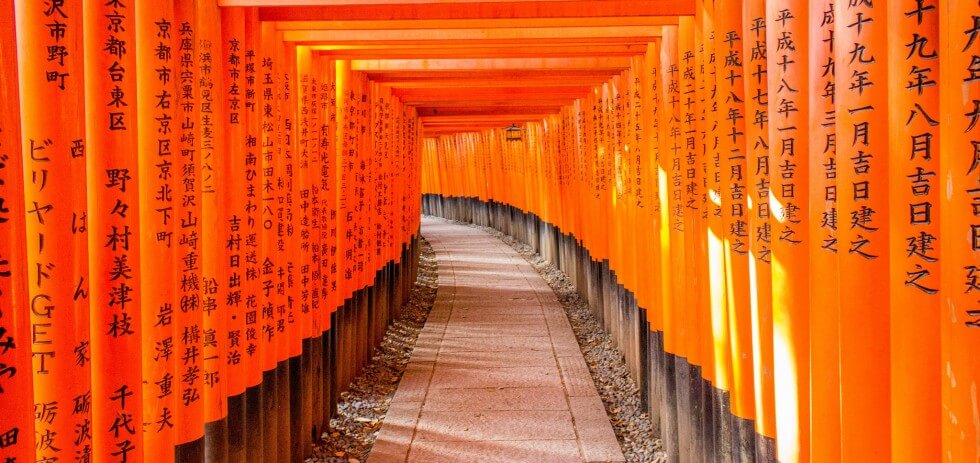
[189,336]
[16,393]
[959,186]
[787,37]
[735,174]
[214,219]
[113,212]
[824,222]
[269,279]
[717,148]
[756,81]
[53,147]
[670,179]
[914,255]
[862,107]
[237,285]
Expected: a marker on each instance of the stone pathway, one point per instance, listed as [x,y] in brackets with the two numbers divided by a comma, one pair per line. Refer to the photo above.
[496,374]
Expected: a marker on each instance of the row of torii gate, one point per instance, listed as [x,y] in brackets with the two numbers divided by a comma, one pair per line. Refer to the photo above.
[210,211]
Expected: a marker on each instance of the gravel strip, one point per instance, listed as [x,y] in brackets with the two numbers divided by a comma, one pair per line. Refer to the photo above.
[618,391]
[362,408]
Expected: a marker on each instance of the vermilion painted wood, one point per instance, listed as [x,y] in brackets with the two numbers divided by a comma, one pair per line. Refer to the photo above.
[214,213]
[113,211]
[52,115]
[188,313]
[477,10]
[958,183]
[789,140]
[17,424]
[864,233]
[735,175]
[824,223]
[914,274]
[486,23]
[759,165]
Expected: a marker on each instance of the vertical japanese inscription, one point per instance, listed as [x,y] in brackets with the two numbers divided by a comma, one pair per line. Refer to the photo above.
[113,207]
[787,34]
[50,65]
[189,328]
[157,132]
[16,423]
[734,192]
[958,181]
[756,81]
[234,224]
[214,212]
[862,201]
[913,221]
[253,223]
[823,227]
[269,196]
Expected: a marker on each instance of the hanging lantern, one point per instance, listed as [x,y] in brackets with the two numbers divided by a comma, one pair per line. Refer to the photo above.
[514,133]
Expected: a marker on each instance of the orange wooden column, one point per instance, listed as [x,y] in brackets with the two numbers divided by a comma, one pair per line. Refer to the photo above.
[271,290]
[574,156]
[254,203]
[652,200]
[289,105]
[114,217]
[319,99]
[345,149]
[324,187]
[54,150]
[239,286]
[705,136]
[362,95]
[269,280]
[214,220]
[618,205]
[189,336]
[380,107]
[670,180]
[330,183]
[382,111]
[756,81]
[688,174]
[279,133]
[862,107]
[398,164]
[158,150]
[914,278]
[787,36]
[292,335]
[305,171]
[592,238]
[16,393]
[711,107]
[735,177]
[824,223]
[326,175]
[959,184]
[671,191]
[643,144]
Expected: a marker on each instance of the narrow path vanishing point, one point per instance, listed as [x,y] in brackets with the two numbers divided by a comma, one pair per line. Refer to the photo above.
[496,374]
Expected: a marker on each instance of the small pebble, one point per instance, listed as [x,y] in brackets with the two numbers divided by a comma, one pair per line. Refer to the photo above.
[363,407]
[616,387]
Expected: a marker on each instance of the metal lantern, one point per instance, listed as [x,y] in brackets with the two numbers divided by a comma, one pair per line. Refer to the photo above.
[514,133]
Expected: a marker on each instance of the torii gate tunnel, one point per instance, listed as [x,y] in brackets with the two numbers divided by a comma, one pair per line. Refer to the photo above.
[209,211]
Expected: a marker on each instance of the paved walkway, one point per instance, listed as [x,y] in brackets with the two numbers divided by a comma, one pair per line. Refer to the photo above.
[496,375]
